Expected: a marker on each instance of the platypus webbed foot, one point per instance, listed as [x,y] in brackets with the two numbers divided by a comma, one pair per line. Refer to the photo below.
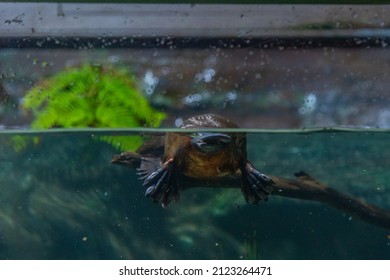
[161,184]
[255,185]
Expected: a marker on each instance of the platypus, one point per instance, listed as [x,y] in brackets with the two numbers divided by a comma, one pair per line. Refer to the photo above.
[201,155]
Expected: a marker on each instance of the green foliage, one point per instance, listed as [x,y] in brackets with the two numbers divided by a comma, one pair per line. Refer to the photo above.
[250,248]
[92,96]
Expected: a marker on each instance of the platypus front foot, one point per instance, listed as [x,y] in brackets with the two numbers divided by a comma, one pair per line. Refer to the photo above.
[161,184]
[255,185]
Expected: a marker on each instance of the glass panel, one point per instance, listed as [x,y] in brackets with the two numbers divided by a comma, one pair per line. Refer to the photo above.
[100,76]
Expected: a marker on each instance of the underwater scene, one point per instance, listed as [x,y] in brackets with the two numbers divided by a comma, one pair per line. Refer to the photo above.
[62,199]
[95,163]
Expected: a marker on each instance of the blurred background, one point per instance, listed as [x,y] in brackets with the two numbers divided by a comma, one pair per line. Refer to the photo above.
[268,66]
[72,66]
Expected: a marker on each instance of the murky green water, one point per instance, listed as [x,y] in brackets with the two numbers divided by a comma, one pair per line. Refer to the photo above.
[61,199]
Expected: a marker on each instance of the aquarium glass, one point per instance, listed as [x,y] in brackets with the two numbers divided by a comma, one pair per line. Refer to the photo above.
[307,84]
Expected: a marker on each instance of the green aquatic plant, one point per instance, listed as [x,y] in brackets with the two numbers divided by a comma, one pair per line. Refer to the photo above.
[92,96]
[251,251]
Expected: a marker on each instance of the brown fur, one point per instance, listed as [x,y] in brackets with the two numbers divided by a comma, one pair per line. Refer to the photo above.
[200,166]
[195,164]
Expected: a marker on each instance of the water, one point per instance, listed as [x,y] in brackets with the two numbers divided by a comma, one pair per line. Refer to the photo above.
[62,199]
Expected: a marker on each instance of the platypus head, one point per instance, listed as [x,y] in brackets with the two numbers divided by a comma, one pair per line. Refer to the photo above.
[210,143]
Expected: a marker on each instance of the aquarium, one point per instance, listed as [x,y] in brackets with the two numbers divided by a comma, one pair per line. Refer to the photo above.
[307,86]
